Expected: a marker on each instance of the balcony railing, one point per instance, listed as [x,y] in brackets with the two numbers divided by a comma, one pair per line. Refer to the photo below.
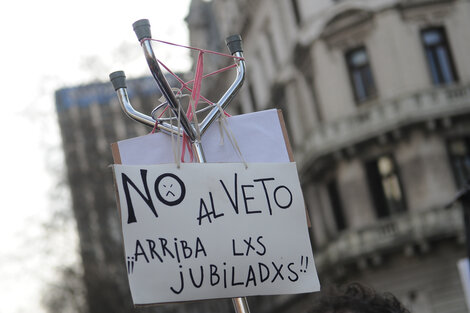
[381,118]
[392,234]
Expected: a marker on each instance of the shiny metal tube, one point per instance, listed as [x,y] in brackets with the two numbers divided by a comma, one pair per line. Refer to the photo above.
[240,305]
[140,117]
[174,104]
[198,151]
[227,96]
[166,89]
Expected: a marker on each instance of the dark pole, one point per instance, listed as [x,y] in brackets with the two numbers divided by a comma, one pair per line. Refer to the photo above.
[465,200]
[463,196]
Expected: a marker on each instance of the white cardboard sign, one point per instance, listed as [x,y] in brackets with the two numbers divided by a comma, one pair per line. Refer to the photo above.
[215,230]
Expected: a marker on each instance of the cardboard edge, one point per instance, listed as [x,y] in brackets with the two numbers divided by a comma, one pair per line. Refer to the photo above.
[116,153]
[116,193]
[117,160]
[286,136]
[291,155]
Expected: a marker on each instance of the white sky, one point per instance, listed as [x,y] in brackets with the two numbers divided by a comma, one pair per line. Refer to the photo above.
[47,45]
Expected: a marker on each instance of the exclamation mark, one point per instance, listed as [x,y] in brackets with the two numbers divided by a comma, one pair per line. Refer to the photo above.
[130,265]
[302,269]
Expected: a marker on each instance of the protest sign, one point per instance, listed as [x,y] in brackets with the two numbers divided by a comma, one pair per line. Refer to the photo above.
[217,230]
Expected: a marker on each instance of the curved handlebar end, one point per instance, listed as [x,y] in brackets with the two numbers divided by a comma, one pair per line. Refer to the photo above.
[118,79]
[234,43]
[142,29]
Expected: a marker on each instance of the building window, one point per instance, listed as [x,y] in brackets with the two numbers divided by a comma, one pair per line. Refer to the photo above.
[438,56]
[336,205]
[385,186]
[459,151]
[360,73]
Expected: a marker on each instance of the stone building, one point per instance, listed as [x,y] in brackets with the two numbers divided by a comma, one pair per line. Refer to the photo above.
[376,95]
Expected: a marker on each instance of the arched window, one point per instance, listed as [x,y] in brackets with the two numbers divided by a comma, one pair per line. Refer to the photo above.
[360,73]
[385,186]
[438,56]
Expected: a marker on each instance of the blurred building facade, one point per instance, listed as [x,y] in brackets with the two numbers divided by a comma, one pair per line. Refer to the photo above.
[90,119]
[376,95]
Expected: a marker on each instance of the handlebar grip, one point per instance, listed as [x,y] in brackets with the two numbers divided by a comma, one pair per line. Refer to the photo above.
[142,29]
[118,79]
[234,43]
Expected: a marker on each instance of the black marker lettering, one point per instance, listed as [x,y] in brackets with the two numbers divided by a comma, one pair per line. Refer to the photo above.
[192,278]
[234,200]
[213,207]
[235,253]
[262,180]
[199,248]
[290,197]
[248,246]
[139,250]
[251,277]
[165,250]
[176,250]
[245,199]
[262,266]
[262,245]
[126,181]
[225,275]
[182,283]
[187,252]
[234,283]
[213,273]
[293,272]
[207,213]
[153,253]
[278,272]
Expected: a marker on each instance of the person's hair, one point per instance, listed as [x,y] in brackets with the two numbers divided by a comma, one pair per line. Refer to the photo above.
[356,298]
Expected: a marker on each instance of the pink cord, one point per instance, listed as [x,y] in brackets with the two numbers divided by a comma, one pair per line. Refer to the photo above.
[196,90]
[192,48]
